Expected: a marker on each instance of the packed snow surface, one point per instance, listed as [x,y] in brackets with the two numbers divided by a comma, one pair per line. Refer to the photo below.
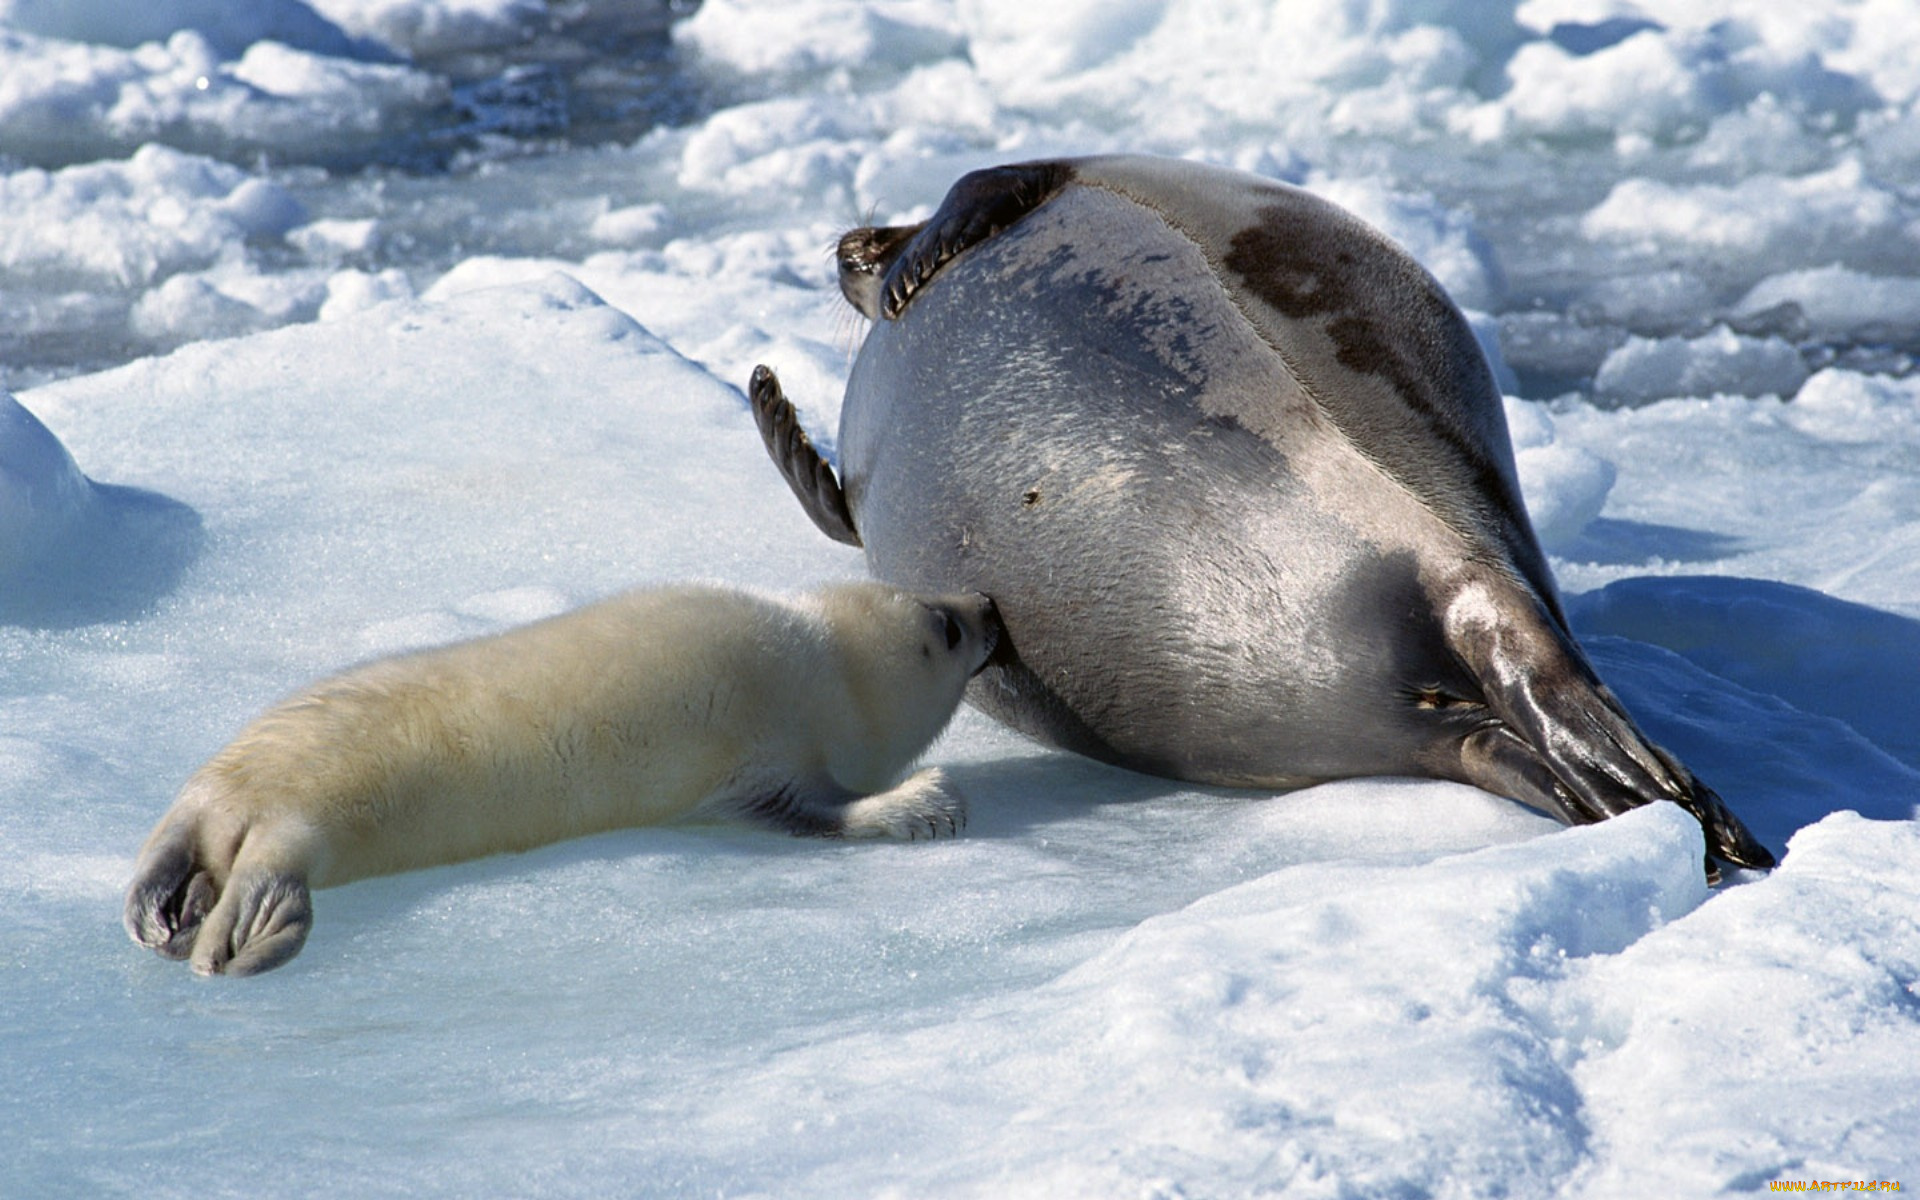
[334,328]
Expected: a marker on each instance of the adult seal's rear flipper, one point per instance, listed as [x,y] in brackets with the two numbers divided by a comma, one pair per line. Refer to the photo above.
[977,207]
[1555,737]
[810,476]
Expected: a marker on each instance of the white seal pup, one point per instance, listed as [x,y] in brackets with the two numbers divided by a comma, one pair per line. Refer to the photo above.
[799,713]
[1237,475]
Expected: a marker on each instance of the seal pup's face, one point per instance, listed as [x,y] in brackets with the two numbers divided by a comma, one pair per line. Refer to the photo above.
[902,662]
[890,632]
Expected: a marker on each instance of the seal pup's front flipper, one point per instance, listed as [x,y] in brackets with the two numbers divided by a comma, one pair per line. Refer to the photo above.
[809,475]
[924,805]
[1558,739]
[979,205]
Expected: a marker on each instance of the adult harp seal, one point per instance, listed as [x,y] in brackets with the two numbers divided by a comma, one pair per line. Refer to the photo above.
[1237,475]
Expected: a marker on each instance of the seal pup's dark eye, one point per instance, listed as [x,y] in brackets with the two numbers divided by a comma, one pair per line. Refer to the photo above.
[946,625]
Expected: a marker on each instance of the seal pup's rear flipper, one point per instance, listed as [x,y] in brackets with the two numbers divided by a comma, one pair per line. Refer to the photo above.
[230,896]
[261,922]
[171,892]
[810,476]
[1556,738]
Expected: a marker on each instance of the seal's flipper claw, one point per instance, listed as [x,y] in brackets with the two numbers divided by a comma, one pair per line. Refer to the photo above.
[810,476]
[1602,765]
[980,205]
[1499,760]
[864,255]
[216,891]
[1728,838]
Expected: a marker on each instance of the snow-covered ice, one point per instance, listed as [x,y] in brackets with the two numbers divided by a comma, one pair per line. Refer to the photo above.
[336,327]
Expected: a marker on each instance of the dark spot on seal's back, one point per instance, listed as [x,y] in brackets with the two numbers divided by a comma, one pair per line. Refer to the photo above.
[1387,318]
[1306,266]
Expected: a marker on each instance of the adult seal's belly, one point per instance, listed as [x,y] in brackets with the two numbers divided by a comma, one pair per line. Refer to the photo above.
[1236,474]
[1189,596]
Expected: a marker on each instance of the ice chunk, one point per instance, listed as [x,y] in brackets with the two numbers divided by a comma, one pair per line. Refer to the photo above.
[1186,68]
[1565,486]
[232,27]
[1839,301]
[433,28]
[349,292]
[1846,406]
[1721,362]
[134,221]
[43,495]
[68,102]
[73,551]
[1782,221]
[629,226]
[1663,84]
[760,37]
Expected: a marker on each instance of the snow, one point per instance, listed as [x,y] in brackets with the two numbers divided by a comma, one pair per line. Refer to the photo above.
[1838,214]
[339,328]
[434,27]
[234,27]
[1720,361]
[1566,486]
[1837,301]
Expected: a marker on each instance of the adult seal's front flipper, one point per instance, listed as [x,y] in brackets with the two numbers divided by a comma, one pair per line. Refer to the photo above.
[977,207]
[810,476]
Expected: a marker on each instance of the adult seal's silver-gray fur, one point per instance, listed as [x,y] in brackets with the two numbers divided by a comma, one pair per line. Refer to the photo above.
[1237,475]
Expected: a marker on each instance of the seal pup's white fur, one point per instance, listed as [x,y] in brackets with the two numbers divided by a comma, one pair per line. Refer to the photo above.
[798,713]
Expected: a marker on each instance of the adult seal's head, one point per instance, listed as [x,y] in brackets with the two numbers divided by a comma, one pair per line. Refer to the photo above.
[1237,474]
